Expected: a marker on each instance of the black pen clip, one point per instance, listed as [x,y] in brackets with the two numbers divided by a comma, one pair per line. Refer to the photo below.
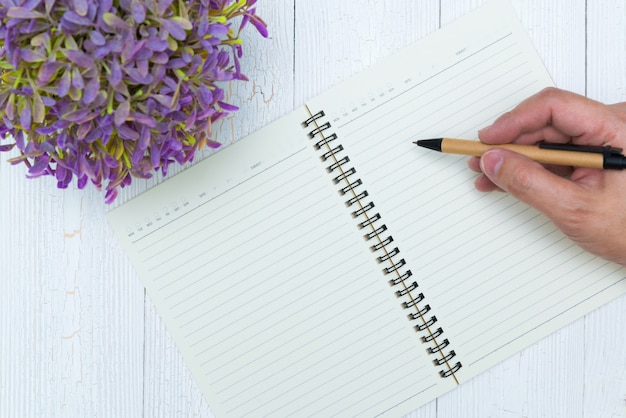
[605,150]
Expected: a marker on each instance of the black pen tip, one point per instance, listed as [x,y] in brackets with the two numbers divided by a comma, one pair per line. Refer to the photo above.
[434,144]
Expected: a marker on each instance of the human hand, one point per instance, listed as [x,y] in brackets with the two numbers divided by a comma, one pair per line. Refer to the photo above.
[588,205]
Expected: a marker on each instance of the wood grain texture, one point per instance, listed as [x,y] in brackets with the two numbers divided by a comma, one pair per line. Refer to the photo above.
[72,316]
[335,40]
[78,336]
[605,329]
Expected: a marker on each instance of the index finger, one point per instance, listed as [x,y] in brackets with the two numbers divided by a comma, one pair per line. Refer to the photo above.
[557,116]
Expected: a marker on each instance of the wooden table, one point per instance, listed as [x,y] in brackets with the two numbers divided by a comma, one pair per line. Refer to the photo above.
[79,336]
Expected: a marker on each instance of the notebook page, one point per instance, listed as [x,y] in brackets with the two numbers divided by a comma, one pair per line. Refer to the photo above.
[498,275]
[269,289]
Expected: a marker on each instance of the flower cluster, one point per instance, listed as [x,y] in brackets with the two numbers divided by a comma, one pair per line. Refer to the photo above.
[107,90]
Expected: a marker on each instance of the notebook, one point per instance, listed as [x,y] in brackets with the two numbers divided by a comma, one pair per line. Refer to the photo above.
[325,265]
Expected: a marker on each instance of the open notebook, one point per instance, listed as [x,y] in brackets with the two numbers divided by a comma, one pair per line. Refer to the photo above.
[325,265]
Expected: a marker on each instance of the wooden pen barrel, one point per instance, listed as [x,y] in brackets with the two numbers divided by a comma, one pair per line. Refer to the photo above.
[541,155]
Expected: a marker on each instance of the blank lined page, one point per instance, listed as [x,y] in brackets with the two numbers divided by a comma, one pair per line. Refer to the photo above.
[498,274]
[269,289]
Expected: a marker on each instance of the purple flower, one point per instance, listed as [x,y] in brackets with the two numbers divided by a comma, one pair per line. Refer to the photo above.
[106,90]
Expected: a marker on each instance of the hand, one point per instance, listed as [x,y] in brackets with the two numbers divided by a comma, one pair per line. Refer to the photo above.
[588,205]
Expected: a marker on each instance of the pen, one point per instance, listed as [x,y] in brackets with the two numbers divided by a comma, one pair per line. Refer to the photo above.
[544,152]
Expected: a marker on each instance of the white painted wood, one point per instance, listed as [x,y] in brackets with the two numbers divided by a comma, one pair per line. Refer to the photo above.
[71,323]
[605,329]
[336,39]
[78,336]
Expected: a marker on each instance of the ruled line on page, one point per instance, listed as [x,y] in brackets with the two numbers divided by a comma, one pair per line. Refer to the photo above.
[257,257]
[223,232]
[495,284]
[186,214]
[176,280]
[404,400]
[284,301]
[411,126]
[500,230]
[363,392]
[546,321]
[343,314]
[427,80]
[329,267]
[437,110]
[292,254]
[358,385]
[338,348]
[224,313]
[326,360]
[323,209]
[203,223]
[365,404]
[555,297]
[448,83]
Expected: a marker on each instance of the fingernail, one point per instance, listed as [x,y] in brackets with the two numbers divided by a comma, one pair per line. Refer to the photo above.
[482,130]
[491,161]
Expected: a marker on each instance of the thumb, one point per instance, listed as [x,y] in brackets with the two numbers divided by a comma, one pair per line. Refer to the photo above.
[528,181]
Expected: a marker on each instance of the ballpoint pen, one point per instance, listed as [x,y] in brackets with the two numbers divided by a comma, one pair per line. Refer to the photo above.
[544,152]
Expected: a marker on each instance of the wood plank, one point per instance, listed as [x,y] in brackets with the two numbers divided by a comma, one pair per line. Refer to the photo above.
[605,329]
[337,39]
[71,325]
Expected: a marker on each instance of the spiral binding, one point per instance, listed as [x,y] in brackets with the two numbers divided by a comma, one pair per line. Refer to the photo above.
[368,219]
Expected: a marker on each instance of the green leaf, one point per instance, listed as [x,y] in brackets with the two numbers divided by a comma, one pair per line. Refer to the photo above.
[18,159]
[70,43]
[23,13]
[217,18]
[39,109]
[114,21]
[182,22]
[121,113]
[49,5]
[172,44]
[75,93]
[42,39]
[9,109]
[234,7]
